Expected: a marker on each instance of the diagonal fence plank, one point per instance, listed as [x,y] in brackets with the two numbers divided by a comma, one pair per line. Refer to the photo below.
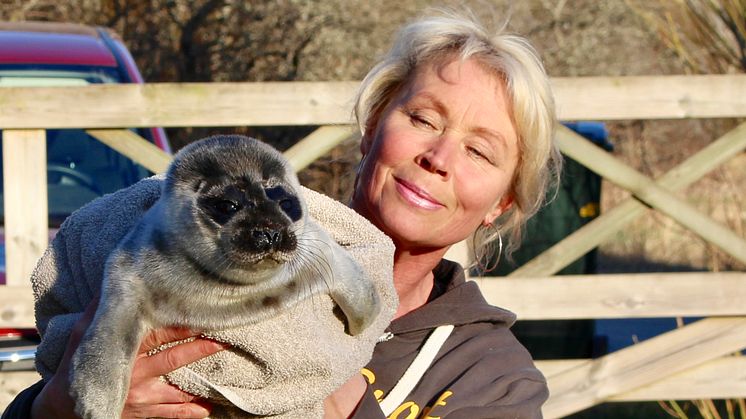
[131,145]
[145,153]
[644,189]
[318,143]
[606,225]
[596,381]
[722,378]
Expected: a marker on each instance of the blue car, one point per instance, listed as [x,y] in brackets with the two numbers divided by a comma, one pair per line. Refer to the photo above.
[79,167]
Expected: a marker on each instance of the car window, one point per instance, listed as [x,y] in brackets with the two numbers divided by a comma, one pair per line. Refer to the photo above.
[79,167]
[13,75]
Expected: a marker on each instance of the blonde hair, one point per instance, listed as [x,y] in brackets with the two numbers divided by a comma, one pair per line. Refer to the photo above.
[435,39]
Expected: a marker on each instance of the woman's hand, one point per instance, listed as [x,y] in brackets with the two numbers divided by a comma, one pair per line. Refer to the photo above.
[149,395]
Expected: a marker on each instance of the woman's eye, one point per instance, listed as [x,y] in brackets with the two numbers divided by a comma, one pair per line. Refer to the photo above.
[479,154]
[419,120]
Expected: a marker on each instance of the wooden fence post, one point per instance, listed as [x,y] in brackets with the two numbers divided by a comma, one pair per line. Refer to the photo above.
[25,201]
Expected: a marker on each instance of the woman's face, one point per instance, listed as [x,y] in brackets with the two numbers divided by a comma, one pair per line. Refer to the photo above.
[440,159]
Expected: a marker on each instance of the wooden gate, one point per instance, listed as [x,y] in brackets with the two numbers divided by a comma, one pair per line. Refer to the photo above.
[692,362]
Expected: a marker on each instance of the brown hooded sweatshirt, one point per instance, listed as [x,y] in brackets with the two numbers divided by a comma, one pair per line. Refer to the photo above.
[481,371]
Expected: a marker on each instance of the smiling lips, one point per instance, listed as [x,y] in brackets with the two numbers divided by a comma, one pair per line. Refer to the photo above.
[416,196]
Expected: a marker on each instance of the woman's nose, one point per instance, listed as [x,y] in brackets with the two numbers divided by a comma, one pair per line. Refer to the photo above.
[438,156]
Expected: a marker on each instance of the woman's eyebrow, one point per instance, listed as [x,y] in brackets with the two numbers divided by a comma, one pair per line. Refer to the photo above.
[498,137]
[432,100]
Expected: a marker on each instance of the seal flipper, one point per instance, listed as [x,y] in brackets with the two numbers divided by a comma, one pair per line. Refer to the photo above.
[102,363]
[353,291]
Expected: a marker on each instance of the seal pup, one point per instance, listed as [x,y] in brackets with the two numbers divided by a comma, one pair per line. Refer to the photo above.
[228,243]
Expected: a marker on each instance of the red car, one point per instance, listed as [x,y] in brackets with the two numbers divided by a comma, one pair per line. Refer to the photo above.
[79,168]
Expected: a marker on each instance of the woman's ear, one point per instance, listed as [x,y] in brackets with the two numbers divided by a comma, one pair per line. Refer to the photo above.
[366,142]
[500,208]
[371,125]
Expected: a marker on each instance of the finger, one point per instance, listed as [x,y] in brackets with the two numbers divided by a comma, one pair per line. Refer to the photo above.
[156,391]
[157,337]
[195,410]
[177,356]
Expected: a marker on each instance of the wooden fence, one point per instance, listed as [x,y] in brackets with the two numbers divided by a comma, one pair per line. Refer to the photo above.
[692,362]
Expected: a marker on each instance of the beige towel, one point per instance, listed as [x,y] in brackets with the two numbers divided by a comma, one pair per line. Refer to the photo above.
[281,367]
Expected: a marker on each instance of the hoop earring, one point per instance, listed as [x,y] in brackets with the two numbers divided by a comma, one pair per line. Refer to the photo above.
[478,258]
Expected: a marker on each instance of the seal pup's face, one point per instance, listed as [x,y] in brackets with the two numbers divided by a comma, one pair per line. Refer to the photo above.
[242,197]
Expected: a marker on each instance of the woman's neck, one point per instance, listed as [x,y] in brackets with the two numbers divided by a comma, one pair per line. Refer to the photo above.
[413,277]
[413,268]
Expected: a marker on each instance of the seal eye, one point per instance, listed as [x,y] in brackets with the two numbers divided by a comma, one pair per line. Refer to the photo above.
[288,203]
[219,209]
[225,207]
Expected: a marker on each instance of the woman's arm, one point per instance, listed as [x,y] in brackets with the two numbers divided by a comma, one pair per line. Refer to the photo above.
[353,400]
[343,402]
[149,395]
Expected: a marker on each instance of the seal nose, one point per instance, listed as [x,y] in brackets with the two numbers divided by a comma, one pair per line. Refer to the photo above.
[263,238]
[266,238]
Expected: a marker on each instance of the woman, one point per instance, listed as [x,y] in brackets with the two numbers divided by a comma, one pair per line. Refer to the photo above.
[456,140]
[457,129]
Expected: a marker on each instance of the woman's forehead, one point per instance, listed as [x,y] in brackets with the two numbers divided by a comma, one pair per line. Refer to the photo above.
[457,88]
[428,79]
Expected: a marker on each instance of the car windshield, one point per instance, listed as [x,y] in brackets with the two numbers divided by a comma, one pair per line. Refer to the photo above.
[35,76]
[79,167]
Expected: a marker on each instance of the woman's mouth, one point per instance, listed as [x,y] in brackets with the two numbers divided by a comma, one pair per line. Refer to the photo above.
[416,196]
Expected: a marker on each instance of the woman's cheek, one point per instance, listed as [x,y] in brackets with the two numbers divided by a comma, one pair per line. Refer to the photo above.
[482,192]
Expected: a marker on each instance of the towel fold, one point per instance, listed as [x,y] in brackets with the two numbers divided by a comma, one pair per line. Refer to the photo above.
[281,367]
